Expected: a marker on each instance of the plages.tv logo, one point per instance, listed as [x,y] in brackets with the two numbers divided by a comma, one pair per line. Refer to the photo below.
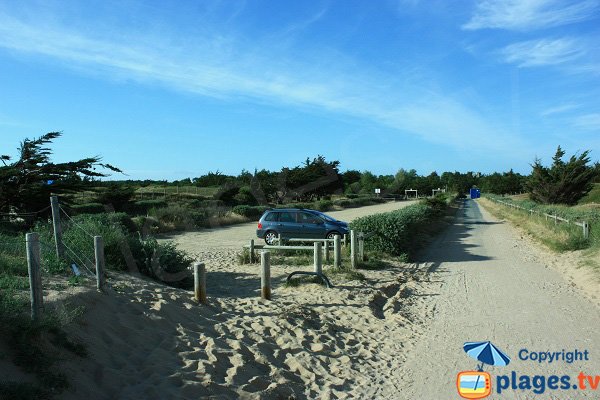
[478,384]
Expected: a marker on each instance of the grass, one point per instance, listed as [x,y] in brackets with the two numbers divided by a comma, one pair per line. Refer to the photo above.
[560,238]
[593,196]
[34,347]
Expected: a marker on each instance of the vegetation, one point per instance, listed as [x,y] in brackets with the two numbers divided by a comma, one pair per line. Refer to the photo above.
[563,182]
[559,237]
[26,184]
[397,233]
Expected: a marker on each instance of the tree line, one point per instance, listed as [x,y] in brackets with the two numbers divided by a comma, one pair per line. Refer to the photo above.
[26,182]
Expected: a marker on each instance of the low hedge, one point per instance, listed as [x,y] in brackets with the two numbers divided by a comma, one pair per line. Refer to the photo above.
[396,232]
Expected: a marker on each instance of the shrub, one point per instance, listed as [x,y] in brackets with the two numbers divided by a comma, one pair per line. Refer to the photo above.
[88,208]
[252,212]
[394,232]
[324,205]
[143,206]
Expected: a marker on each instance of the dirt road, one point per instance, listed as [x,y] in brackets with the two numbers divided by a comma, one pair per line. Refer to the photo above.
[487,285]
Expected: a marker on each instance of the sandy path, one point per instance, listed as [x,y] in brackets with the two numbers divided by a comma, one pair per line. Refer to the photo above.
[490,287]
[235,236]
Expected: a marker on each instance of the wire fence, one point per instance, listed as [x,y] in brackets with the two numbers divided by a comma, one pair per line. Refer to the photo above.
[78,243]
[583,226]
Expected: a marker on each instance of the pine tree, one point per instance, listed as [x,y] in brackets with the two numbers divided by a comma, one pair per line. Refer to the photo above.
[563,182]
[26,184]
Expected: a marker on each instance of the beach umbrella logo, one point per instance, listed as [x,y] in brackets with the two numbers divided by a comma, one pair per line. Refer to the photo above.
[478,384]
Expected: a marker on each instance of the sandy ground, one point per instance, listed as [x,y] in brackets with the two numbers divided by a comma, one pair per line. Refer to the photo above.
[492,285]
[396,335]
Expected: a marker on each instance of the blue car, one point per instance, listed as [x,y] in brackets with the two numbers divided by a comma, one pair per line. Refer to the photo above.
[298,223]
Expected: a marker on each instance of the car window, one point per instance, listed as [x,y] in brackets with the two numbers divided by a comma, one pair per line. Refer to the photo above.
[272,216]
[308,218]
[287,216]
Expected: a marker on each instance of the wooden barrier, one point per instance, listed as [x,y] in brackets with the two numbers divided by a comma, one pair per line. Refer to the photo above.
[337,252]
[317,258]
[99,255]
[200,283]
[35,278]
[353,249]
[265,276]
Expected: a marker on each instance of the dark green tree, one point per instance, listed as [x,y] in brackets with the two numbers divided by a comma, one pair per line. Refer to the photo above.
[26,183]
[563,182]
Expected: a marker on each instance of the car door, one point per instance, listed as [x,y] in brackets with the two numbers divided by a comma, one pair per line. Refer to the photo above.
[312,226]
[287,224]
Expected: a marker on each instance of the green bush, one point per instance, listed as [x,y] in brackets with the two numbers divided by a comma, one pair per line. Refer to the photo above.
[143,206]
[395,232]
[88,208]
[252,212]
[324,205]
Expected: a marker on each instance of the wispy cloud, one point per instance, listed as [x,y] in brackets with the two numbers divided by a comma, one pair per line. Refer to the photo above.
[588,121]
[559,109]
[533,53]
[224,67]
[522,15]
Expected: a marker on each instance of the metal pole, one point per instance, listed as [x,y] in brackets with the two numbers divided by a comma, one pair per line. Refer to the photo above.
[200,283]
[60,250]
[99,253]
[265,277]
[35,279]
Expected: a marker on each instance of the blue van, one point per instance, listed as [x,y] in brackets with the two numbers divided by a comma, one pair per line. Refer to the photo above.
[298,223]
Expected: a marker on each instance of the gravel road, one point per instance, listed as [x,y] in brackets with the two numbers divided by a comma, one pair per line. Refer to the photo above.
[487,285]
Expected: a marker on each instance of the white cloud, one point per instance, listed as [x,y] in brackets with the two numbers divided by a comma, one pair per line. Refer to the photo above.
[533,53]
[524,15]
[228,67]
[588,121]
[559,109]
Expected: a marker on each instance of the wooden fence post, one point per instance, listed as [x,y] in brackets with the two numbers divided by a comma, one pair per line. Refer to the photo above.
[586,230]
[318,260]
[345,239]
[337,252]
[361,247]
[60,249]
[326,251]
[200,282]
[353,248]
[99,254]
[265,277]
[35,279]
[251,251]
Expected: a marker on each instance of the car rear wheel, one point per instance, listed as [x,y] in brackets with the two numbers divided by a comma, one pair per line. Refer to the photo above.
[331,235]
[271,238]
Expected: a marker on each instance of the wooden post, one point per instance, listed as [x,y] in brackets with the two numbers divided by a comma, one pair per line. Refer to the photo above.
[361,247]
[60,249]
[345,240]
[586,230]
[251,251]
[337,252]
[99,253]
[318,259]
[35,279]
[200,282]
[265,277]
[326,251]
[353,248]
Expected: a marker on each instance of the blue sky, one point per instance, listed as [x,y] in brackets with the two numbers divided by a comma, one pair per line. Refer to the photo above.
[168,90]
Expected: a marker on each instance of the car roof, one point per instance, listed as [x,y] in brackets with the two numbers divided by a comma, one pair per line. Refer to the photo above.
[292,209]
